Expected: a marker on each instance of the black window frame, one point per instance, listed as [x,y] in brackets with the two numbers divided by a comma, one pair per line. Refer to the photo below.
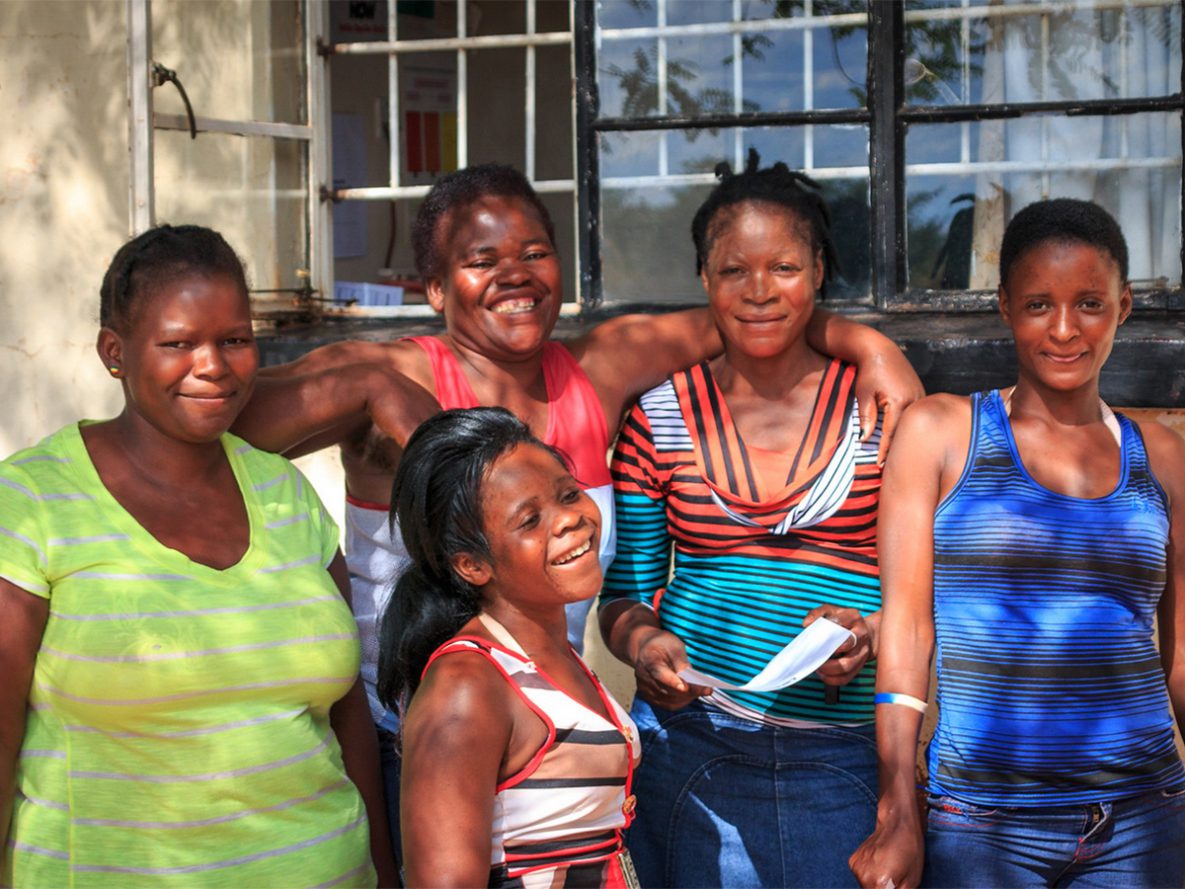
[887,116]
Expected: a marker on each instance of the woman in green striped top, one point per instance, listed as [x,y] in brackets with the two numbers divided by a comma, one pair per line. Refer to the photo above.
[180,703]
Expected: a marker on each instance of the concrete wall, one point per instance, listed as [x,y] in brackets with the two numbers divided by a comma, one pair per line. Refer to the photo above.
[63,207]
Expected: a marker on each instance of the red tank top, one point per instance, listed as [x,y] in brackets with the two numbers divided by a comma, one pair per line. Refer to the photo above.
[575,419]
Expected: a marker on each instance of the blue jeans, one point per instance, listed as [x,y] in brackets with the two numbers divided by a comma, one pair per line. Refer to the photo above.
[1129,843]
[725,801]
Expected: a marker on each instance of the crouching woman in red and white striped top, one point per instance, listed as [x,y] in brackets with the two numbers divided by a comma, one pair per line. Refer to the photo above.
[517,761]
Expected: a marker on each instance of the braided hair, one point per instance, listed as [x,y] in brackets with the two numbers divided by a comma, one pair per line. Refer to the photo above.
[777,185]
[458,191]
[158,257]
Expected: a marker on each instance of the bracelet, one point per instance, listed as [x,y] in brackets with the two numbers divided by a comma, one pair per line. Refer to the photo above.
[892,697]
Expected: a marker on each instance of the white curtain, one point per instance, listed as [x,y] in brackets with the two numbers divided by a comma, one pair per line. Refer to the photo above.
[1068,55]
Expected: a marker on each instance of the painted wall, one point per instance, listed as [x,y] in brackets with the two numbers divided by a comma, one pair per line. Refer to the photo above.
[63,207]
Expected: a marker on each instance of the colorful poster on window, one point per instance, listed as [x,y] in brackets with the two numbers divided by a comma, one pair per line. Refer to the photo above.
[428,103]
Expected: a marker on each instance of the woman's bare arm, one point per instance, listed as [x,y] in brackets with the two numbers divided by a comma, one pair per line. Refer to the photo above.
[294,414]
[913,485]
[1166,455]
[455,738]
[22,622]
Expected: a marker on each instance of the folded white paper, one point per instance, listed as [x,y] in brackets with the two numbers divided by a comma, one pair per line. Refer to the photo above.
[792,664]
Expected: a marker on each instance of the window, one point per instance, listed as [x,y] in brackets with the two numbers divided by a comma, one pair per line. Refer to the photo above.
[926,122]
[422,87]
[239,152]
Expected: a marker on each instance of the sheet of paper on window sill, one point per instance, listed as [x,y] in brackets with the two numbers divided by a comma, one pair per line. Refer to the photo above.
[792,664]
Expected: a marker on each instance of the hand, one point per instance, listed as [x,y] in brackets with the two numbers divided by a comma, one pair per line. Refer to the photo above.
[891,858]
[850,657]
[659,658]
[886,383]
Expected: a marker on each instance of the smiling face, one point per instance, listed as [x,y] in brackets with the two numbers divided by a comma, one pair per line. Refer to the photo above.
[761,276]
[501,286]
[187,358]
[542,530]
[1064,301]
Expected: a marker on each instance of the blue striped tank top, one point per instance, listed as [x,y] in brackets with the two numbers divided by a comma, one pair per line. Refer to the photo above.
[1050,689]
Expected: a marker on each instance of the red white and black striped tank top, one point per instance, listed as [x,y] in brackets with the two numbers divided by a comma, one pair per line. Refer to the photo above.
[558,821]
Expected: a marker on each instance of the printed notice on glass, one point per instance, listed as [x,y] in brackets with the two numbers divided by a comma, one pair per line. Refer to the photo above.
[792,664]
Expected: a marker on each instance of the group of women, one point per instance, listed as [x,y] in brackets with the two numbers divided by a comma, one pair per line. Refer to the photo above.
[184,703]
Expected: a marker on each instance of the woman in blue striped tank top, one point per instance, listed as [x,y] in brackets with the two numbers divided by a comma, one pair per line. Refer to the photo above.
[1036,537]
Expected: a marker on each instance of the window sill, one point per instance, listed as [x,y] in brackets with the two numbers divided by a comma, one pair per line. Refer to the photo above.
[962,352]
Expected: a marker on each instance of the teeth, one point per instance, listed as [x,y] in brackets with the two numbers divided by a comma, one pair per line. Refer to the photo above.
[514,306]
[575,554]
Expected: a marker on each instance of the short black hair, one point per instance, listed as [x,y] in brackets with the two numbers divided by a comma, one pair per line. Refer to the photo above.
[1062,220]
[777,185]
[460,190]
[437,500]
[158,257]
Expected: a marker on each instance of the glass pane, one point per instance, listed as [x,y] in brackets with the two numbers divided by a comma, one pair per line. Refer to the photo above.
[627,78]
[552,17]
[553,112]
[626,14]
[820,65]
[251,190]
[646,250]
[1130,164]
[642,219]
[497,99]
[699,76]
[630,154]
[774,69]
[240,60]
[698,12]
[1065,53]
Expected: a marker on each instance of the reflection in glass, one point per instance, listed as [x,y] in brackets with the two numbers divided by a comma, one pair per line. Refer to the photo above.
[1088,50]
[813,66]
[252,190]
[835,147]
[1130,164]
[646,246]
[627,13]
[237,61]
[630,154]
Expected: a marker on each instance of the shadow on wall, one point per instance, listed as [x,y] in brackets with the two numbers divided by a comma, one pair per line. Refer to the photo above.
[63,207]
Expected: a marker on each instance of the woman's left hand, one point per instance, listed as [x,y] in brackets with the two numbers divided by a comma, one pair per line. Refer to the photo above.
[850,657]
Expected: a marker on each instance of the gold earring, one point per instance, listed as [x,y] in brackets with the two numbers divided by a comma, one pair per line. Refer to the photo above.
[113,370]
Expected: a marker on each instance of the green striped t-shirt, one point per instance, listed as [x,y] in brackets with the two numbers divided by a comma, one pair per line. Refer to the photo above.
[178,728]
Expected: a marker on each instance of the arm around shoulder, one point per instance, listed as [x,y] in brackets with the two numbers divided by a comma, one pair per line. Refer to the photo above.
[630,354]
[885,380]
[322,402]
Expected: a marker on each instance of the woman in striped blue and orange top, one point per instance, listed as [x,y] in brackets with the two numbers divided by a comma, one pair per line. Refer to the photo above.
[753,469]
[180,703]
[1036,536]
